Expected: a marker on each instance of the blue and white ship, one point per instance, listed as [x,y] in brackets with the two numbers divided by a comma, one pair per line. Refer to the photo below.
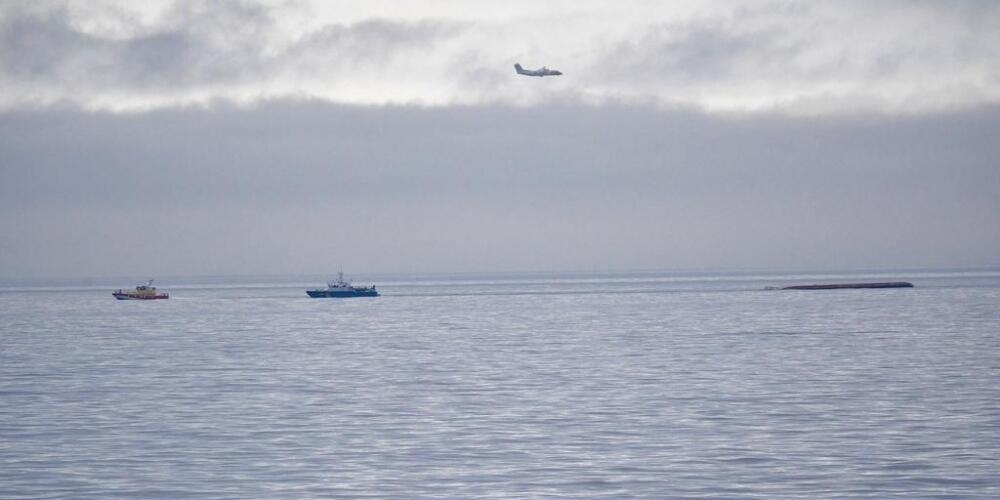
[342,289]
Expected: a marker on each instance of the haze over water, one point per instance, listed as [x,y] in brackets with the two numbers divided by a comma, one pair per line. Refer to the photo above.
[576,386]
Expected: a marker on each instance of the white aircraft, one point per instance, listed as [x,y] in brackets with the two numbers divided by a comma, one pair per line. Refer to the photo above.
[536,72]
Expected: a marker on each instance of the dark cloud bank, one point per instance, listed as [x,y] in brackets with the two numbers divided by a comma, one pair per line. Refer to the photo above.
[304,187]
[196,45]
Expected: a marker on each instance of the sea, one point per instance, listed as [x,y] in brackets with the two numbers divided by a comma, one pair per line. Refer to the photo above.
[543,385]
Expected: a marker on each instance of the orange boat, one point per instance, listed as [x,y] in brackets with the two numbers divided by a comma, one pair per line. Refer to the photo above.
[141,292]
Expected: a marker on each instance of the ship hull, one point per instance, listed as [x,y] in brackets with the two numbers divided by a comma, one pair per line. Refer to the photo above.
[126,296]
[840,286]
[340,294]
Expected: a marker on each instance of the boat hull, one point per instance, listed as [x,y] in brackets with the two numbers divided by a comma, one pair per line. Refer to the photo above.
[127,296]
[340,294]
[840,286]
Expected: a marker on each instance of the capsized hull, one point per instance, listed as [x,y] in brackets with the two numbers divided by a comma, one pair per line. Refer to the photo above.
[839,286]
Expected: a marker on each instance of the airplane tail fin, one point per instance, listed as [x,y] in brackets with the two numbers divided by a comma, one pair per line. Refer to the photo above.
[518,68]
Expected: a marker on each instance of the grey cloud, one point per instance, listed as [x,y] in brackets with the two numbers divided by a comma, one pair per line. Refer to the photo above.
[43,48]
[578,186]
[39,45]
[291,149]
[694,52]
[872,49]
[476,74]
[201,42]
[194,44]
[376,39]
[811,57]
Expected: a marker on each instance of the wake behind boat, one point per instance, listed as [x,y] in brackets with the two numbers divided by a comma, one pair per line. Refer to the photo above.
[141,292]
[342,289]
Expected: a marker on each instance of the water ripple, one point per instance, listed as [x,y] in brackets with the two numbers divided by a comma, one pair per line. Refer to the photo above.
[718,391]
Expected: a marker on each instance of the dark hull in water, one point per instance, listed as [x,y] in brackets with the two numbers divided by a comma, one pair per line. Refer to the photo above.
[891,284]
[338,294]
[132,296]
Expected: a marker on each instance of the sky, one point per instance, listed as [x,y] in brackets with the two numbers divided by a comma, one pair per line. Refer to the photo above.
[296,137]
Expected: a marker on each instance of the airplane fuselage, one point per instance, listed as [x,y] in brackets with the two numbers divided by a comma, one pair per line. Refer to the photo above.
[543,71]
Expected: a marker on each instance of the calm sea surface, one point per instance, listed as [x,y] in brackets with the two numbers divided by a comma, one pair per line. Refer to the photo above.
[576,386]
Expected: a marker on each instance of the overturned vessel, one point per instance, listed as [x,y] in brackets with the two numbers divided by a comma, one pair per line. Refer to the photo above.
[342,289]
[141,292]
[837,286]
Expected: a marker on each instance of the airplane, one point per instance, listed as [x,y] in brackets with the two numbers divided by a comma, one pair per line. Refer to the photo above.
[536,72]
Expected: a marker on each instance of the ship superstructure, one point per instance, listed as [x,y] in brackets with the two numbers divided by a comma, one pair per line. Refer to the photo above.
[142,292]
[342,289]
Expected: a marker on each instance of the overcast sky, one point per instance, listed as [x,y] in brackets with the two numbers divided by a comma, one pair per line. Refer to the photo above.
[183,138]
